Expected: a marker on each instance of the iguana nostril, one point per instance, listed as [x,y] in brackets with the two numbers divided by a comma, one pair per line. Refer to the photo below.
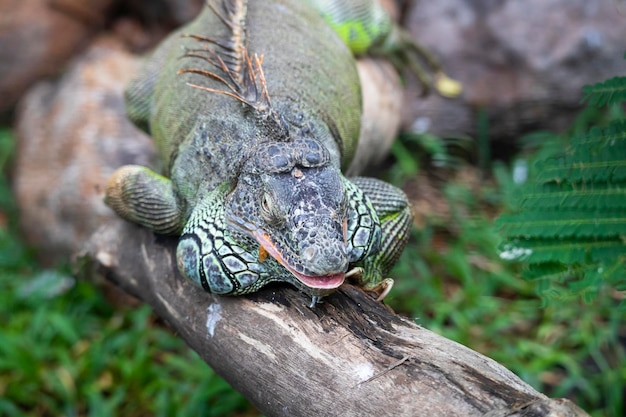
[309,254]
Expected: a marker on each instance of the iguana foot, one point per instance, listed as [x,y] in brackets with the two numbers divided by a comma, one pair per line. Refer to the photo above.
[382,288]
[142,196]
[403,51]
[366,28]
[355,272]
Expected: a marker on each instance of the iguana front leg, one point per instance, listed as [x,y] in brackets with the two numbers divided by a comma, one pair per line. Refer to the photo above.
[207,252]
[142,196]
[394,213]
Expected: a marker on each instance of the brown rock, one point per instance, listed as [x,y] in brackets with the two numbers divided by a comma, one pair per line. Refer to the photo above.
[143,24]
[523,62]
[72,134]
[37,37]
[382,107]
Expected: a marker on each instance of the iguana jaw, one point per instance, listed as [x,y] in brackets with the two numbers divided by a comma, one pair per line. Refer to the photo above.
[322,282]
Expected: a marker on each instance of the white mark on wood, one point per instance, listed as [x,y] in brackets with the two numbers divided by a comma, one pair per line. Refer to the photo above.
[171,310]
[387,369]
[364,371]
[214,315]
[105,258]
[264,348]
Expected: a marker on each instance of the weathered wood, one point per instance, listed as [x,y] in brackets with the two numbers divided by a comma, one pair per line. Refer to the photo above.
[349,356]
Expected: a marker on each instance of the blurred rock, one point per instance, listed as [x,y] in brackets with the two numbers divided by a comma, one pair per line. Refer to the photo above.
[143,24]
[38,36]
[166,13]
[524,62]
[72,134]
[382,107]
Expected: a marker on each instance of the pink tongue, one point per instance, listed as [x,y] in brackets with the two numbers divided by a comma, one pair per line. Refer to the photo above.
[323,281]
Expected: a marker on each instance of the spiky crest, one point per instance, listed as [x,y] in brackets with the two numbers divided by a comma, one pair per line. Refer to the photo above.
[234,67]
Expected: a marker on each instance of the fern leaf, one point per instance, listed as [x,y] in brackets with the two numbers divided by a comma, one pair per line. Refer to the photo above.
[571,220]
[599,155]
[565,251]
[602,136]
[581,172]
[607,92]
[550,271]
[601,197]
[563,224]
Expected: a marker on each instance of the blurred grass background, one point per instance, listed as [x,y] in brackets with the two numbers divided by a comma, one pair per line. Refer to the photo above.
[65,350]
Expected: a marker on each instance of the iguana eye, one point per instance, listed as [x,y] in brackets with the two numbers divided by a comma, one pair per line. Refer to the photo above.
[266,203]
[268,210]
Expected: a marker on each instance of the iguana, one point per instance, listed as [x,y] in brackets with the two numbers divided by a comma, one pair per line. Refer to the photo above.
[255,108]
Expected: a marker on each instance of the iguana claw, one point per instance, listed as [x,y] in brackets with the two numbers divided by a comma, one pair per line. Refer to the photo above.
[315,300]
[354,272]
[382,288]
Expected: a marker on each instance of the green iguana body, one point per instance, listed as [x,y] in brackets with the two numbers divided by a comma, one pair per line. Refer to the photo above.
[254,108]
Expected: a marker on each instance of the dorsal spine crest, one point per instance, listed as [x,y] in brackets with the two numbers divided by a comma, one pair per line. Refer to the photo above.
[233,66]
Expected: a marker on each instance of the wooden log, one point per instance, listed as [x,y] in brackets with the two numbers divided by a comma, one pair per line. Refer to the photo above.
[348,356]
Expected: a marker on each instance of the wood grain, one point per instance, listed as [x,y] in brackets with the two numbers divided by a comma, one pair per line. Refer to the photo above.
[348,356]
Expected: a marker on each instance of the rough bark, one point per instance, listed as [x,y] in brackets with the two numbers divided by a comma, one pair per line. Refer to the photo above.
[348,356]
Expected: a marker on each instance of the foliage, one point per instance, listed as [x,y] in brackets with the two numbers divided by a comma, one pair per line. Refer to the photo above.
[452,281]
[412,150]
[568,223]
[610,91]
[65,350]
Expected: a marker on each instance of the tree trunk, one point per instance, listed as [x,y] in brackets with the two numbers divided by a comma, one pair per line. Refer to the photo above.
[348,356]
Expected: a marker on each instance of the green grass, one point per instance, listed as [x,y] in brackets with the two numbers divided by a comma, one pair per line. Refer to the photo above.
[66,351]
[74,354]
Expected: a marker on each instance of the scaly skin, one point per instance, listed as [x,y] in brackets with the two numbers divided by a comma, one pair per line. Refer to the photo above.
[253,132]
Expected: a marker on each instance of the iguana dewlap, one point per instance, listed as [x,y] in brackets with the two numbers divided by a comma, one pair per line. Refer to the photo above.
[254,108]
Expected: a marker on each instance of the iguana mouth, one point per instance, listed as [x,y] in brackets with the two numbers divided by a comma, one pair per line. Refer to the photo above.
[324,282]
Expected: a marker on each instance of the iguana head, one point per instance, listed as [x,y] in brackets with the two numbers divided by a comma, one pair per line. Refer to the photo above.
[291,200]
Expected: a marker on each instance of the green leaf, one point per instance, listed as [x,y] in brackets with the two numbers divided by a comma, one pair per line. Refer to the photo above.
[597,197]
[566,251]
[563,224]
[597,156]
[607,92]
